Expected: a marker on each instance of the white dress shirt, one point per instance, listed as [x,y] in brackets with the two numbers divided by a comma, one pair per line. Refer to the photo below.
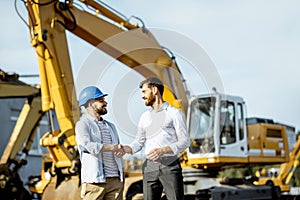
[160,128]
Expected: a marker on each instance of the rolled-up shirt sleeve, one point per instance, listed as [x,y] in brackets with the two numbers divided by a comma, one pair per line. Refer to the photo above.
[183,139]
[85,141]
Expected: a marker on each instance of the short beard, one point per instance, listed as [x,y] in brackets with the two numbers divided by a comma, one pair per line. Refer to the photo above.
[150,100]
[101,111]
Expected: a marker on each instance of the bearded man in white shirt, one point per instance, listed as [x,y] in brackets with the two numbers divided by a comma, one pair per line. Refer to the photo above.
[162,130]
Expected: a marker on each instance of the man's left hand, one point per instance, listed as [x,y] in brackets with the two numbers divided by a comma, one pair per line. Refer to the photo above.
[155,154]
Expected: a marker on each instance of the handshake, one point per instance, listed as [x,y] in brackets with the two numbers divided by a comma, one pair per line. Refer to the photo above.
[120,150]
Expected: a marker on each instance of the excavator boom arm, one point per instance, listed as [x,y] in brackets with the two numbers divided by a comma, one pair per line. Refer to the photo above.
[111,33]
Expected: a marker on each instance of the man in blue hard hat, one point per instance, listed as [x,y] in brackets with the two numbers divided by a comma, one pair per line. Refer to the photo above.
[102,165]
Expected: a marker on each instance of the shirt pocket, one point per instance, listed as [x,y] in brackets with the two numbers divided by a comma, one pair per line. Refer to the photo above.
[95,134]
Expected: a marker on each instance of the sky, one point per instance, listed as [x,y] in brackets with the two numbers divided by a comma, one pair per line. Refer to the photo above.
[252,45]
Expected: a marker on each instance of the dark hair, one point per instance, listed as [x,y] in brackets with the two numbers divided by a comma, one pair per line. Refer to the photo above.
[153,81]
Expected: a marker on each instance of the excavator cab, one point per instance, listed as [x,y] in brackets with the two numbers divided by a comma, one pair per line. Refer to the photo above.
[220,136]
[217,130]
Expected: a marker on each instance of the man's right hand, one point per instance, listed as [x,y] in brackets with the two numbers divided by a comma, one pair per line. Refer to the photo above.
[127,149]
[115,148]
[118,150]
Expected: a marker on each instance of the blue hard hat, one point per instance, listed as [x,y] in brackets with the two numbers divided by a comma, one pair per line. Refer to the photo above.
[88,93]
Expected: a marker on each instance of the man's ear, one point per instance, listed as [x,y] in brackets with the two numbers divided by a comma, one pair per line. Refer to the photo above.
[89,103]
[154,90]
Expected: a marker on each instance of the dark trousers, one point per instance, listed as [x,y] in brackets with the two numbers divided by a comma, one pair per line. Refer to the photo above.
[165,174]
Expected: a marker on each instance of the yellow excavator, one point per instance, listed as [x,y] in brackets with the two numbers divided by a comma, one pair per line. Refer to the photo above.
[286,171]
[222,137]
[22,136]
[219,134]
[48,21]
